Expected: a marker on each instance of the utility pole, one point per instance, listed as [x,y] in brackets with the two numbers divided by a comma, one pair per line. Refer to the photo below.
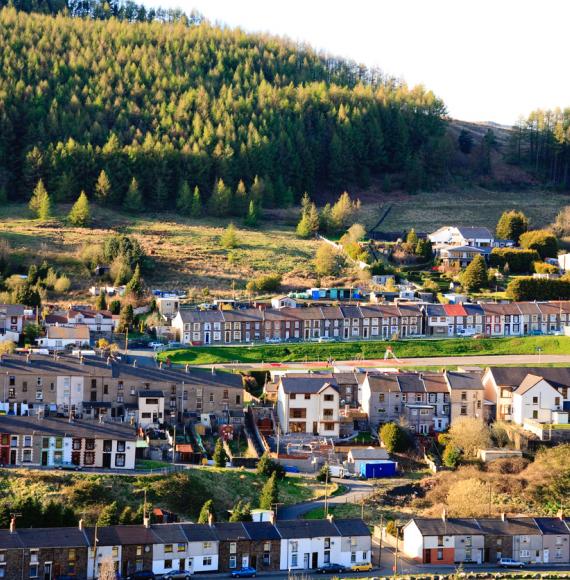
[326,496]
[95,540]
[396,552]
[126,340]
[381,536]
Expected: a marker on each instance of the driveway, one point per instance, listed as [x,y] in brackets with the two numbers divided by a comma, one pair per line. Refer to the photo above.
[356,492]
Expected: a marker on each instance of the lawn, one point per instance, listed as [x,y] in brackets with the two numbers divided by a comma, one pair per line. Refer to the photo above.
[369,350]
[185,253]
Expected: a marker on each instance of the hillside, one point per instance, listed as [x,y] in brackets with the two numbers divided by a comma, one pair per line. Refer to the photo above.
[168,103]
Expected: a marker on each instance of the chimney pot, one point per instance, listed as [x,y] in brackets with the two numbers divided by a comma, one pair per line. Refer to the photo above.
[273,518]
[503,516]
[13,525]
[81,525]
[210,519]
[560,514]
[444,515]
[146,522]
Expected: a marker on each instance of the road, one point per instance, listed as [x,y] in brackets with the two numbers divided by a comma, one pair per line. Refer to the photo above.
[356,492]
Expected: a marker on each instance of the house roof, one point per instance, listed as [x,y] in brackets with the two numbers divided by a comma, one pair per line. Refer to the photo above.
[447,527]
[454,310]
[528,383]
[289,529]
[60,427]
[169,533]
[435,383]
[199,532]
[558,377]
[261,531]
[509,526]
[435,310]
[68,332]
[410,383]
[464,381]
[308,384]
[123,535]
[384,382]
[552,526]
[71,537]
[12,309]
[9,541]
[151,393]
[233,531]
[351,527]
[368,453]
[475,232]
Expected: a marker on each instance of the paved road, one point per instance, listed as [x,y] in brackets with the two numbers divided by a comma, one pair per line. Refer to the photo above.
[356,492]
[437,361]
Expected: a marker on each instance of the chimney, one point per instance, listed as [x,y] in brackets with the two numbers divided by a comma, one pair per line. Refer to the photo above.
[28,358]
[146,521]
[187,368]
[330,518]
[108,361]
[134,362]
[210,519]
[81,525]
[503,516]
[13,525]
[560,515]
[273,517]
[444,515]
[160,365]
[213,370]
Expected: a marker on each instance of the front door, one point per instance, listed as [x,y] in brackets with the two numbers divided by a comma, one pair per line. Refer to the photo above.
[253,561]
[12,457]
[245,561]
[47,571]
[207,338]
[315,562]
[315,428]
[190,564]
[106,460]
[546,555]
[44,457]
[427,557]
[306,561]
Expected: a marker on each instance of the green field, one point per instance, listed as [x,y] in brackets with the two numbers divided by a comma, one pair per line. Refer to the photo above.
[368,350]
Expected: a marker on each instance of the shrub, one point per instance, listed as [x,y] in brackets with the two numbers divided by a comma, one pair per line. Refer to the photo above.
[543,241]
[519,261]
[527,288]
[62,285]
[544,268]
[451,456]
[394,438]
[265,283]
[512,224]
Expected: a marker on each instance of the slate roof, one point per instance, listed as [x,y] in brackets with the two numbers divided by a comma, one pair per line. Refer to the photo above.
[123,535]
[558,377]
[169,533]
[9,541]
[261,531]
[307,384]
[52,537]
[464,381]
[509,527]
[232,531]
[351,527]
[384,382]
[410,383]
[450,526]
[290,529]
[435,383]
[552,526]
[472,232]
[199,533]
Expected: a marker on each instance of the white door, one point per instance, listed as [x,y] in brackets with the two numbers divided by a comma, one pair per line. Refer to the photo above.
[245,561]
[546,556]
[190,565]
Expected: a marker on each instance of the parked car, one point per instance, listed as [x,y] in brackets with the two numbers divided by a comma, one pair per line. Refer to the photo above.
[68,466]
[331,569]
[511,563]
[363,567]
[178,574]
[247,572]
[155,345]
[175,344]
[142,575]
[291,469]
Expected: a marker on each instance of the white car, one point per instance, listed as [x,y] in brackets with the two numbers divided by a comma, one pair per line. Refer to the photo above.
[155,345]
[511,563]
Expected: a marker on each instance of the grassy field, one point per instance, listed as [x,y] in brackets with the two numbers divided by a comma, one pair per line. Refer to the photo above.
[368,350]
[185,253]
[428,211]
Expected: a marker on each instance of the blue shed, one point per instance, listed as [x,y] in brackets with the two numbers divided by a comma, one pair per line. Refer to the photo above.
[376,469]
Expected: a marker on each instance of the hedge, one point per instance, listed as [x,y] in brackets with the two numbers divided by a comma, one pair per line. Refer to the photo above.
[519,261]
[528,288]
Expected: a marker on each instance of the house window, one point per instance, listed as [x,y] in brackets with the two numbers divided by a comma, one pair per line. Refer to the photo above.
[207,561]
[90,444]
[34,570]
[233,562]
[89,458]
[233,547]
[440,554]
[12,381]
[168,548]
[120,460]
[27,456]
[115,551]
[329,397]
[25,386]
[463,396]
[181,548]
[294,546]
[294,560]
[139,550]
[27,440]
[39,395]
[206,545]
[168,564]
[535,400]
[120,446]
[307,397]
[381,397]
[463,410]
[352,557]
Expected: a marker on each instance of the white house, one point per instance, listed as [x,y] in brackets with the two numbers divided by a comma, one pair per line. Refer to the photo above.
[168,306]
[308,404]
[536,399]
[307,544]
[279,302]
[11,321]
[58,337]
[69,393]
[151,407]
[477,237]
[203,547]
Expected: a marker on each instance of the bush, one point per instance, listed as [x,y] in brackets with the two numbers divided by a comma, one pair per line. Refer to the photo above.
[324,474]
[507,465]
[451,456]
[519,261]
[267,467]
[543,241]
[527,288]
[544,268]
[62,285]
[395,438]
[265,283]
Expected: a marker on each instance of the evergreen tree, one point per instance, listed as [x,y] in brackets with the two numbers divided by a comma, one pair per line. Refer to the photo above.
[103,188]
[101,303]
[308,225]
[220,202]
[220,456]
[465,141]
[127,516]
[258,190]
[196,210]
[325,219]
[269,496]
[44,213]
[133,201]
[229,238]
[324,475]
[241,512]
[127,317]
[511,225]
[252,217]
[343,212]
[207,509]
[38,198]
[134,287]
[184,201]
[240,204]
[412,239]
[160,194]
[424,249]
[80,214]
[109,515]
[475,275]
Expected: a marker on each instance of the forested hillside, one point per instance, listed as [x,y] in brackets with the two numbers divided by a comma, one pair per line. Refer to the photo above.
[541,143]
[179,105]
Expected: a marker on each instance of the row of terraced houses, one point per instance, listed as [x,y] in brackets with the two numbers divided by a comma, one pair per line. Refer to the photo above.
[373,321]
[80,552]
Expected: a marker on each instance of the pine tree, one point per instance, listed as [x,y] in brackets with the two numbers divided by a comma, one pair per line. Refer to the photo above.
[269,496]
[108,516]
[103,188]
[241,512]
[240,204]
[220,456]
[207,509]
[134,287]
[342,212]
[127,516]
[133,200]
[308,226]
[258,190]
[39,195]
[197,209]
[160,198]
[412,238]
[80,214]
[229,238]
[101,303]
[475,275]
[184,201]
[127,317]
[252,218]
[511,225]
[221,200]
[44,212]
